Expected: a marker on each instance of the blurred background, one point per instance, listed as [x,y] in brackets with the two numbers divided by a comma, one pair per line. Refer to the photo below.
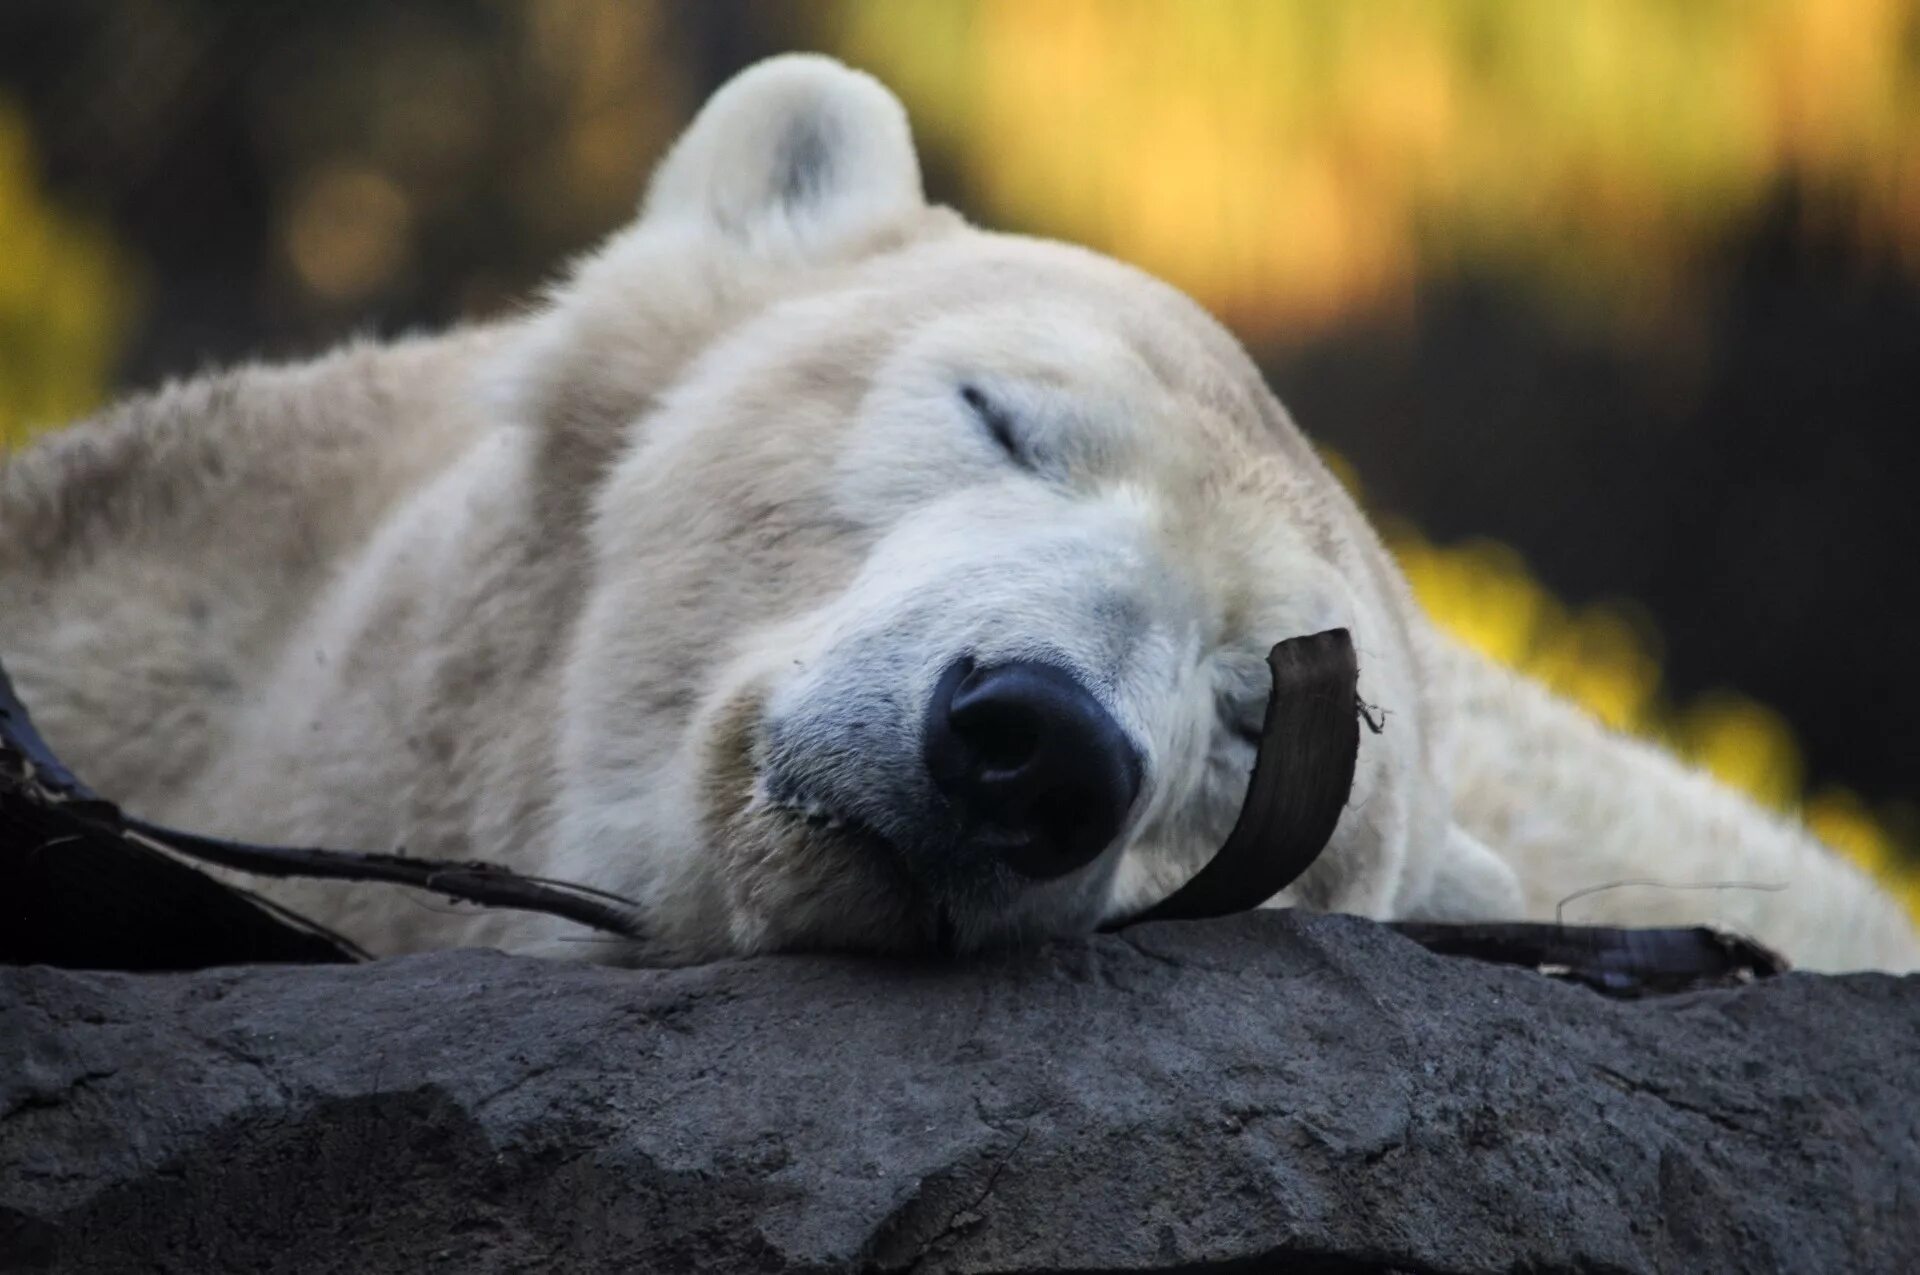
[1608,309]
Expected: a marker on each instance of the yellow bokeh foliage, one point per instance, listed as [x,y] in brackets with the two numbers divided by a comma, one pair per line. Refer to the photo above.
[1605,658]
[66,294]
[1291,162]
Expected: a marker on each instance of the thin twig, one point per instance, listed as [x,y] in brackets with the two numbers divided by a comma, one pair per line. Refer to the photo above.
[471,882]
[40,777]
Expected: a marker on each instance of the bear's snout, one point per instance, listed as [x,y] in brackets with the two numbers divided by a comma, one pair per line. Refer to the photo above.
[1040,774]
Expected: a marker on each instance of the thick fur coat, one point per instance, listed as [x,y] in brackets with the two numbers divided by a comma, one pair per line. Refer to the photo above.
[649,589]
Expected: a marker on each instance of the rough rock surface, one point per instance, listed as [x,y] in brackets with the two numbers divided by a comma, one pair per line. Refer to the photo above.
[1182,1096]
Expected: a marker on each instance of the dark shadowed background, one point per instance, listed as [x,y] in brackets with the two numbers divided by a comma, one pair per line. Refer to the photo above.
[1610,309]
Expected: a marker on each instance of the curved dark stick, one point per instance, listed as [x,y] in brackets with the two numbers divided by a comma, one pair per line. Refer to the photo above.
[1302,777]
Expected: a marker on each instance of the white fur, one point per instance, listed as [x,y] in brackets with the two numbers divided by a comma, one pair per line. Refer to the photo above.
[648,590]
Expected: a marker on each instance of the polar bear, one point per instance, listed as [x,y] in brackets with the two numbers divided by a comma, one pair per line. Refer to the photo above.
[813,569]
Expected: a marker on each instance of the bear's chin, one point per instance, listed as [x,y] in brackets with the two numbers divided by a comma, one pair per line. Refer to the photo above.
[794,878]
[788,882]
[796,884]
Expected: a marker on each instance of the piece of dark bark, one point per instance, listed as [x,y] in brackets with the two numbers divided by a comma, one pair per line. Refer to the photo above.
[80,893]
[81,898]
[1619,962]
[1302,778]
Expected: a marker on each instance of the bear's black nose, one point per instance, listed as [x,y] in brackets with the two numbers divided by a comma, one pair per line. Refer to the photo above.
[1042,773]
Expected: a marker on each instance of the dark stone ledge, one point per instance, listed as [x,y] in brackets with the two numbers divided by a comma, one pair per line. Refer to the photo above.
[1223,1095]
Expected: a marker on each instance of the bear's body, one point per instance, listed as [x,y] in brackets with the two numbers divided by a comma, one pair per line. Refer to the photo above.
[653,590]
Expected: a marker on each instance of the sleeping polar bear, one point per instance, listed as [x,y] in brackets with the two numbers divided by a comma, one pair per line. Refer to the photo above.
[813,569]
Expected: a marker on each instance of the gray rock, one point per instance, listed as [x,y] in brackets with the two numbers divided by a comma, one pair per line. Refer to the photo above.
[1229,1094]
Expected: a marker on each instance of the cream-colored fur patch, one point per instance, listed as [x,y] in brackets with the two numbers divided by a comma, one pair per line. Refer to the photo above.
[650,590]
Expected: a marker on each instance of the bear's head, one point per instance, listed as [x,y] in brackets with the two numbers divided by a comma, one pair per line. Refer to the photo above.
[933,570]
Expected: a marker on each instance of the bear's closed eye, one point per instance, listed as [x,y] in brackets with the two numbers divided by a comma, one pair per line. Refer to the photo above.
[997,421]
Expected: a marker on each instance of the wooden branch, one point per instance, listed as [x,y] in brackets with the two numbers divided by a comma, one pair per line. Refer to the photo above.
[93,883]
[83,884]
[473,881]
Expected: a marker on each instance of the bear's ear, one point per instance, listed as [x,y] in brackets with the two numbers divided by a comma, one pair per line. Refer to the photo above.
[797,154]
